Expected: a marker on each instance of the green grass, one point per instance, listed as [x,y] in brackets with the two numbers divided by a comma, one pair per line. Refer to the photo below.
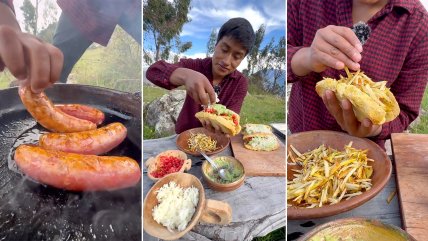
[422,126]
[150,93]
[276,235]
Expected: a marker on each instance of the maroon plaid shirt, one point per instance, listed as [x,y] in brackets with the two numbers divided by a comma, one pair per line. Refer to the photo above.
[396,51]
[233,88]
[96,19]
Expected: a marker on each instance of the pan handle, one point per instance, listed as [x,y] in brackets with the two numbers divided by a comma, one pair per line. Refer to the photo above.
[216,212]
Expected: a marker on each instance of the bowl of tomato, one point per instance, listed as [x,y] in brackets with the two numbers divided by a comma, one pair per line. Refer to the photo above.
[167,162]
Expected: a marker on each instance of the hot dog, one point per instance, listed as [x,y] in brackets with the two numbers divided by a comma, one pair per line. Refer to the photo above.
[83,112]
[76,172]
[45,113]
[91,142]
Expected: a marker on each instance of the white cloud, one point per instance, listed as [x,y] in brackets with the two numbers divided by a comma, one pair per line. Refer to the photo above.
[206,15]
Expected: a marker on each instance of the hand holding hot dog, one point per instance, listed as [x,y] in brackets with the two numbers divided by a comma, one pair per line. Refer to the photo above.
[32,61]
[333,47]
[197,85]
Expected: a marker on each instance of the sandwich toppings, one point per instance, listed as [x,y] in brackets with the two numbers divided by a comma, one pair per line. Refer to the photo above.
[221,110]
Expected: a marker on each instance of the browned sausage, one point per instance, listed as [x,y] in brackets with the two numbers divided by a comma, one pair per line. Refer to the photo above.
[77,172]
[83,112]
[42,109]
[91,142]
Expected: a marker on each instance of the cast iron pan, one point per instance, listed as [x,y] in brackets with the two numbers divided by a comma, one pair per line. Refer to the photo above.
[32,211]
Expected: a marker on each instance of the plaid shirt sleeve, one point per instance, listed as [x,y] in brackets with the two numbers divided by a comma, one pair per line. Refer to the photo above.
[409,88]
[294,38]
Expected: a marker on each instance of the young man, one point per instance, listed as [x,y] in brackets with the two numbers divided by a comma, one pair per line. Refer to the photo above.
[320,44]
[30,60]
[202,77]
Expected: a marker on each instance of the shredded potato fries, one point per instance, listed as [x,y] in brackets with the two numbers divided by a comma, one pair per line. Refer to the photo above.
[328,176]
[202,142]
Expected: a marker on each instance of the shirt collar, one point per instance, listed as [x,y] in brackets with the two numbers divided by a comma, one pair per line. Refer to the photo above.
[409,5]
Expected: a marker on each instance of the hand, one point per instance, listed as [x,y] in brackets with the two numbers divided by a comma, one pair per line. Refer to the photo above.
[345,117]
[30,60]
[333,46]
[197,85]
[207,125]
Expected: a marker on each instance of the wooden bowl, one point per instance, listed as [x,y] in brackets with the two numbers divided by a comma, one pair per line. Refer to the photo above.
[206,168]
[222,141]
[153,162]
[359,229]
[382,168]
[209,211]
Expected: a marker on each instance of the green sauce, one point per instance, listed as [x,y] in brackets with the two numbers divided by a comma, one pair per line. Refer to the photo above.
[233,171]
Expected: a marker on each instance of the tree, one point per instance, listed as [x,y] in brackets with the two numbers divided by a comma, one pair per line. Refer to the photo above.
[39,17]
[211,42]
[253,56]
[30,13]
[163,21]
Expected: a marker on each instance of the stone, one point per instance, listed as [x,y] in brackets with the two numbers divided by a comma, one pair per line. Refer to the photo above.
[162,113]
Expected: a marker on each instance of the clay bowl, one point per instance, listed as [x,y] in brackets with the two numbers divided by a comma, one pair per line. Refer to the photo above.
[222,141]
[359,229]
[220,187]
[153,162]
[307,141]
[208,211]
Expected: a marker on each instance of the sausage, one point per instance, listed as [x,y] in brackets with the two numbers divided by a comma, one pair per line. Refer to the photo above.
[45,113]
[83,112]
[93,142]
[76,172]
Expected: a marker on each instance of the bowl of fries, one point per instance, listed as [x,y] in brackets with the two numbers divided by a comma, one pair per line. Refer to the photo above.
[332,172]
[192,140]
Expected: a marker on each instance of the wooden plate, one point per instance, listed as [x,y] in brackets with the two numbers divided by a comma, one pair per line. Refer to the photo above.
[222,141]
[207,210]
[382,168]
[357,229]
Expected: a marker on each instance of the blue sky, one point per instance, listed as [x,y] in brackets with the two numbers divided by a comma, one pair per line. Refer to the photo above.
[208,15]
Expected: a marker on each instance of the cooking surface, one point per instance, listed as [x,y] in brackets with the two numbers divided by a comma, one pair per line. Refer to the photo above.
[32,211]
[259,163]
[411,162]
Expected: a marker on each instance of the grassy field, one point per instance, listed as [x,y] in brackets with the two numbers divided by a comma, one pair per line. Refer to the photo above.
[422,126]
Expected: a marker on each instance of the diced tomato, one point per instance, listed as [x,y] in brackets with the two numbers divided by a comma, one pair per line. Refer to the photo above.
[167,165]
[235,119]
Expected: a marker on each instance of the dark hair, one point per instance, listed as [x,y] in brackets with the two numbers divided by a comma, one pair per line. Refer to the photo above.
[239,29]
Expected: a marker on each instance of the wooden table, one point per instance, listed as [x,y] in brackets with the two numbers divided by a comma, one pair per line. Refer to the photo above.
[376,208]
[257,206]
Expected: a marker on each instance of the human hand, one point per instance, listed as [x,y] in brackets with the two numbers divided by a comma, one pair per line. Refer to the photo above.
[32,61]
[197,85]
[333,46]
[345,117]
[216,129]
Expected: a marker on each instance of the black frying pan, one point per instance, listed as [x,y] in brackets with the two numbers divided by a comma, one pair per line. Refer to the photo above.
[31,211]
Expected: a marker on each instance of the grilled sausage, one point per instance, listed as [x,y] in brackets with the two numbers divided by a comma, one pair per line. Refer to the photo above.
[42,109]
[93,142]
[76,172]
[83,112]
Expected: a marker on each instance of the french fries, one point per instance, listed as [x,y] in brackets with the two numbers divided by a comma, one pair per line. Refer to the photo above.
[328,176]
[202,142]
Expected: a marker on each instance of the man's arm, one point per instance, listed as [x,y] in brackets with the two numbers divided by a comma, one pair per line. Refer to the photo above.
[170,76]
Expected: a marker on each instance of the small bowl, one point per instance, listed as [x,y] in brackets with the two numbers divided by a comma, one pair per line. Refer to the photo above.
[355,227]
[222,141]
[307,141]
[152,162]
[207,210]
[220,187]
